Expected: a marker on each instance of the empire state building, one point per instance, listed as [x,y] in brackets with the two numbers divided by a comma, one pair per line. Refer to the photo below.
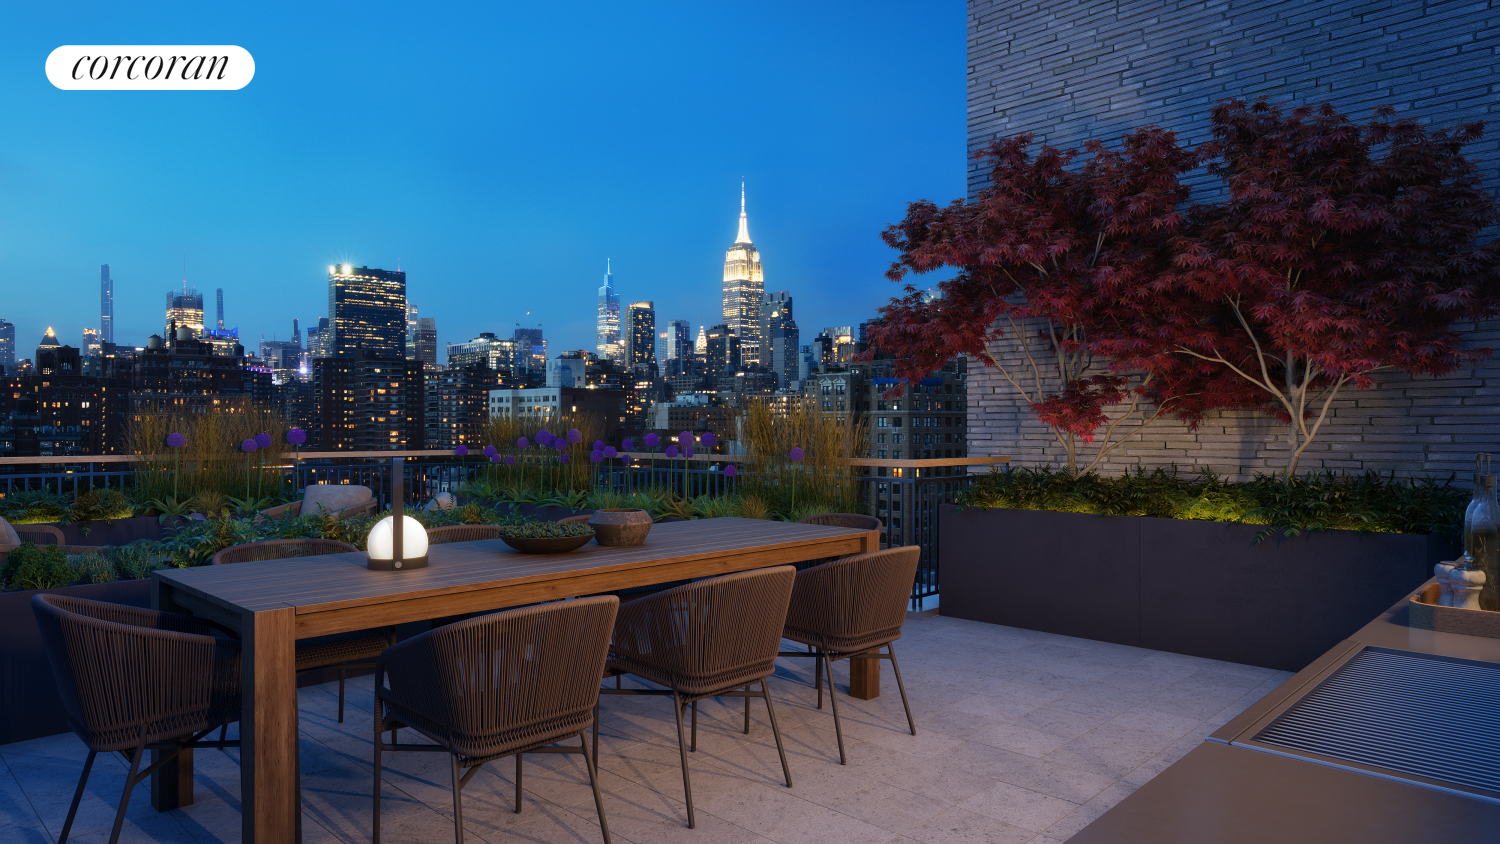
[744,288]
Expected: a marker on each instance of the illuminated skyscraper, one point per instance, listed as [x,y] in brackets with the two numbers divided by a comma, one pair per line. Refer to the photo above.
[90,346]
[319,341]
[639,335]
[219,322]
[424,342]
[700,346]
[531,349]
[608,341]
[106,305]
[674,343]
[185,307]
[366,311]
[7,347]
[744,289]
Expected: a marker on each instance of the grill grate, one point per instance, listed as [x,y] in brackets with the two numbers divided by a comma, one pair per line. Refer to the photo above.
[1402,712]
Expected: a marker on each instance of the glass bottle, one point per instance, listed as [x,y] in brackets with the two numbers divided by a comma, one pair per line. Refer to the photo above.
[1484,535]
[1474,502]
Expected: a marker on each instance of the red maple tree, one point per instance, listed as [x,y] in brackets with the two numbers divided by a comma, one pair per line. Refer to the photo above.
[1036,252]
[1339,251]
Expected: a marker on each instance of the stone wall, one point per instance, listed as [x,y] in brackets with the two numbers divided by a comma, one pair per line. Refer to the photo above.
[1067,72]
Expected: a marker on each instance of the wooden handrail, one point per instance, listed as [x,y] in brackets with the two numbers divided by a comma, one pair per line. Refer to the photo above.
[639,455]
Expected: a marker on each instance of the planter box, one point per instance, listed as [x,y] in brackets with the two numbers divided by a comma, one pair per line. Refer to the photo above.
[1197,588]
[115,532]
[29,706]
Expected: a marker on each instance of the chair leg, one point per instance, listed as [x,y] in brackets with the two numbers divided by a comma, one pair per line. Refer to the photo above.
[518,783]
[341,695]
[896,669]
[747,707]
[594,781]
[833,699]
[687,782]
[818,676]
[379,745]
[765,692]
[135,764]
[88,765]
[458,801]
[224,736]
[596,734]
[694,746]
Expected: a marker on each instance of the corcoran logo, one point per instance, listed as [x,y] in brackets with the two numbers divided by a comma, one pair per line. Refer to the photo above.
[150,68]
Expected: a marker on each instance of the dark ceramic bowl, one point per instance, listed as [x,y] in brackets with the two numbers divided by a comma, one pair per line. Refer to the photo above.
[546,544]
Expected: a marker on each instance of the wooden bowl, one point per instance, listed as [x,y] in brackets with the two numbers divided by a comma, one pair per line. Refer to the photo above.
[546,544]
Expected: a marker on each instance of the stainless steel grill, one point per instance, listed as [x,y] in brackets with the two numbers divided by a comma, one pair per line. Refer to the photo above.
[1407,713]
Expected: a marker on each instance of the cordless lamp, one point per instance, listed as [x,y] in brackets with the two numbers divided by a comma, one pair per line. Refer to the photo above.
[397,542]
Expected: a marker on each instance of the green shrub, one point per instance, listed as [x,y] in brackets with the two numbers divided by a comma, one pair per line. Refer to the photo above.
[137,560]
[1306,504]
[93,568]
[30,567]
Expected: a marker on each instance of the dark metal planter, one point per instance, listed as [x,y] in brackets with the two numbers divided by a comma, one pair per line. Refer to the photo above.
[29,706]
[113,532]
[1197,588]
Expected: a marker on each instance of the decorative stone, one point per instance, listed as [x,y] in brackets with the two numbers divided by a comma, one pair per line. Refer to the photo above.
[620,526]
[1467,584]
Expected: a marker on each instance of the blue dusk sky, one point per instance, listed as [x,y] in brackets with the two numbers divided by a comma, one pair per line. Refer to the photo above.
[501,152]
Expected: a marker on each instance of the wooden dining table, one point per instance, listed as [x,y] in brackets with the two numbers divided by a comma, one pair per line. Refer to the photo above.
[273,603]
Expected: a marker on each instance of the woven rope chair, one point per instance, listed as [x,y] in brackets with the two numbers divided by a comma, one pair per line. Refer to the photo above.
[858,521]
[706,639]
[510,683]
[356,649]
[462,533]
[846,609]
[133,680]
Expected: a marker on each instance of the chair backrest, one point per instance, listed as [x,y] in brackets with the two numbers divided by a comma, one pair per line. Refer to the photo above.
[333,497]
[503,675]
[858,521]
[462,533]
[710,633]
[120,669]
[855,602]
[280,549]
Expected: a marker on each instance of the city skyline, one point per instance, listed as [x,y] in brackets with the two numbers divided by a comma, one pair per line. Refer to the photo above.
[497,197]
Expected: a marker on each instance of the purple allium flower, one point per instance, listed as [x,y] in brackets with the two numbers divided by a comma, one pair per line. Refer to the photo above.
[685,439]
[795,455]
[596,456]
[247,446]
[522,442]
[730,471]
[687,451]
[296,436]
[562,458]
[574,435]
[628,445]
[494,458]
[652,440]
[543,433]
[176,440]
[672,451]
[462,451]
[544,439]
[598,445]
[263,440]
[609,451]
[489,451]
[510,460]
[709,439]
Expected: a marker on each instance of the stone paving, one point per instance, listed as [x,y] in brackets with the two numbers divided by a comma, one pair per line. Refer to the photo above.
[1021,736]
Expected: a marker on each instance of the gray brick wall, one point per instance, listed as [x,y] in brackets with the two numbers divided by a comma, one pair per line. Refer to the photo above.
[1067,72]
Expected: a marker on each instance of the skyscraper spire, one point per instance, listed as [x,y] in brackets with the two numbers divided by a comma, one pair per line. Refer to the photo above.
[744,235]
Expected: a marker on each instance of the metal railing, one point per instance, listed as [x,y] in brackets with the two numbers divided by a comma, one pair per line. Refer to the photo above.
[904,494]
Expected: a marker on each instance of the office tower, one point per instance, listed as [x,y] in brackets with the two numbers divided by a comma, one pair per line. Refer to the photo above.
[486,351]
[49,341]
[531,348]
[91,346]
[219,322]
[411,331]
[639,335]
[842,338]
[296,331]
[785,342]
[608,323]
[679,340]
[106,305]
[424,342]
[366,311]
[744,289]
[724,350]
[774,306]
[823,349]
[185,310]
[319,339]
[7,348]
[700,346]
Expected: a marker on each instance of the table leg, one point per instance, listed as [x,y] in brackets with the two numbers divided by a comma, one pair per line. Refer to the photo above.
[864,678]
[172,784]
[268,729]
